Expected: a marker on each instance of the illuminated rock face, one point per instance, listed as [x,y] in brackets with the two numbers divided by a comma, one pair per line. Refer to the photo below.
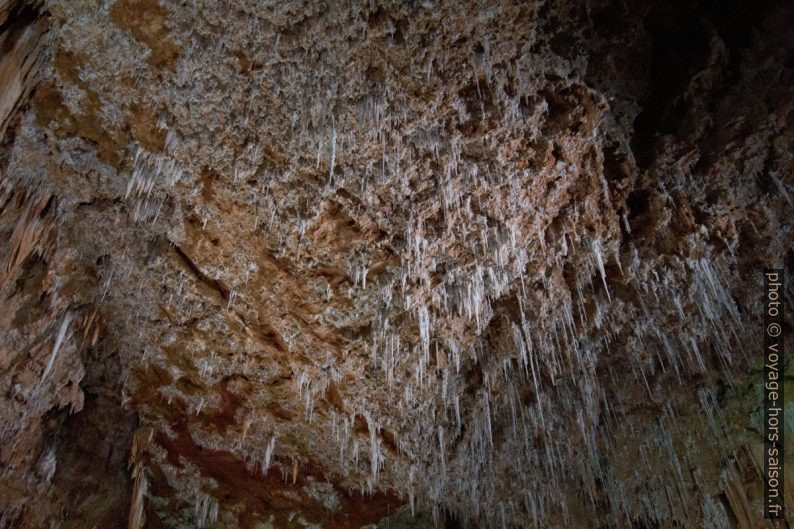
[322,265]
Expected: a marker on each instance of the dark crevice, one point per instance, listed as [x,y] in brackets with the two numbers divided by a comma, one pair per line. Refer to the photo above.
[680,49]
[214,284]
[681,33]
[19,18]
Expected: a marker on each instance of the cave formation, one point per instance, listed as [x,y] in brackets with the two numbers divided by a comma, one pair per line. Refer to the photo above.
[344,265]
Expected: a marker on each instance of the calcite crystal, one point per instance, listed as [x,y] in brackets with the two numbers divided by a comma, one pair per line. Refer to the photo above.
[341,264]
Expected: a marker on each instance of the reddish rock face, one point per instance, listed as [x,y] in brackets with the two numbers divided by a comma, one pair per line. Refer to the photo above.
[327,264]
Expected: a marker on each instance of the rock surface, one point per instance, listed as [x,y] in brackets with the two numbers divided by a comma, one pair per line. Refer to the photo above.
[325,264]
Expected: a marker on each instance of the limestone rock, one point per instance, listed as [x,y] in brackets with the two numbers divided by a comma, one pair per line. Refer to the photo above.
[328,264]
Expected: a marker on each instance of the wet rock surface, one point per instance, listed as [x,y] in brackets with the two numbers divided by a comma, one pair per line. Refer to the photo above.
[327,264]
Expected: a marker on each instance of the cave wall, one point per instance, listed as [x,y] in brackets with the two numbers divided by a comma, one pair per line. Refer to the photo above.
[320,264]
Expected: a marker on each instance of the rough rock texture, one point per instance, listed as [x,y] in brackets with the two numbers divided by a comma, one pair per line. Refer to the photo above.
[311,264]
